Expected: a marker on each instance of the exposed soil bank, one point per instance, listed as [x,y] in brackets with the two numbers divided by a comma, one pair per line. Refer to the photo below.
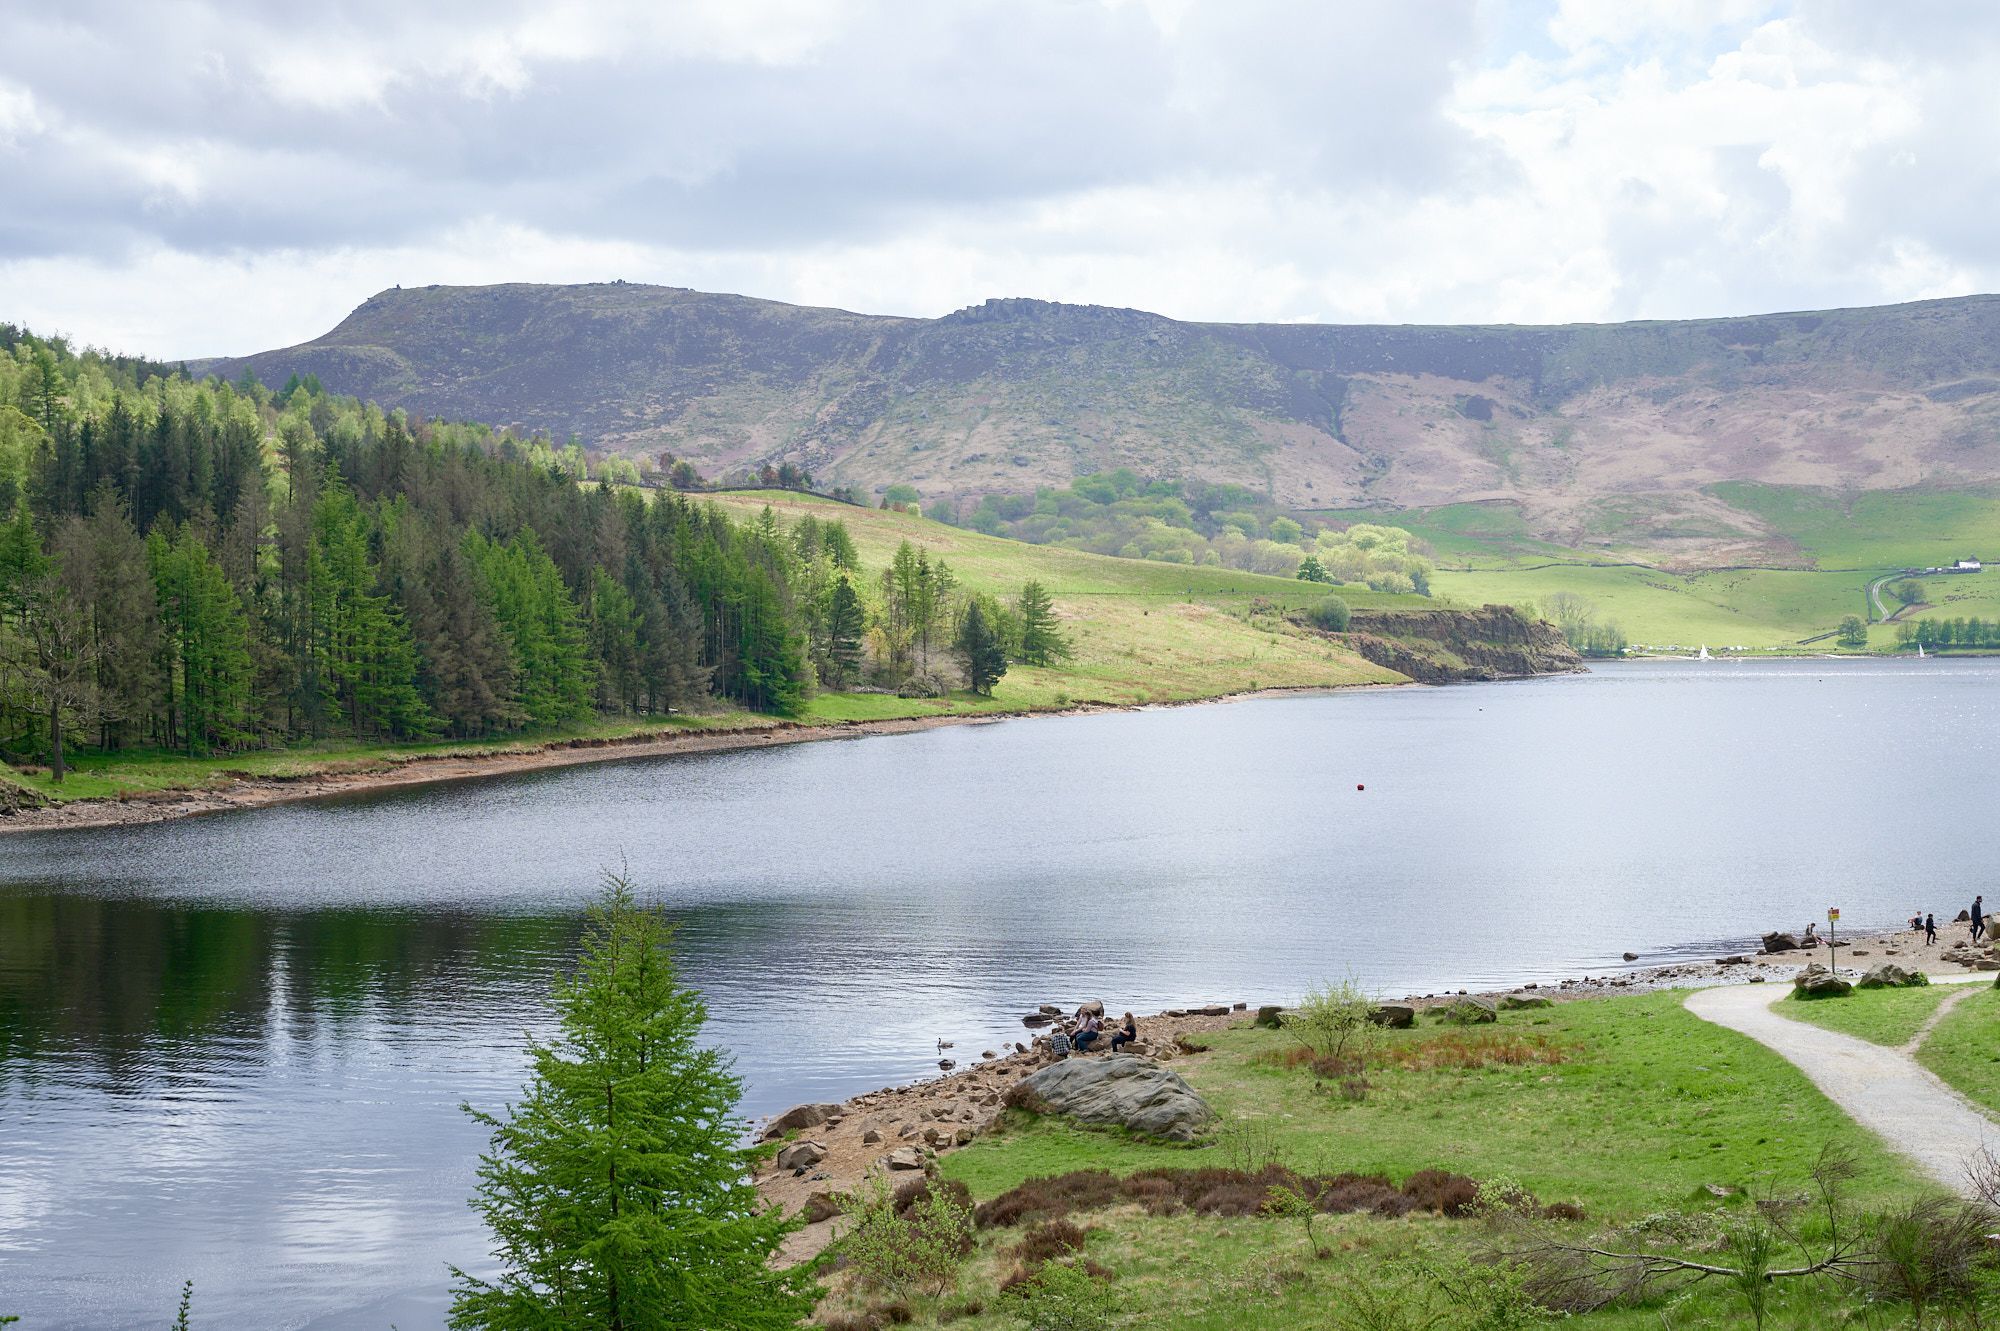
[422,769]
[1443,646]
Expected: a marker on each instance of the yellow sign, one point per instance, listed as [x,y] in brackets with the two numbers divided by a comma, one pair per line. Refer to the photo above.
[1833,915]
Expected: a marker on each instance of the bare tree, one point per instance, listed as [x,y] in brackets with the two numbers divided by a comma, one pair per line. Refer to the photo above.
[59,659]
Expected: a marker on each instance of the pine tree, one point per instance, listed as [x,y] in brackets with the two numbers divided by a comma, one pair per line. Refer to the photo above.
[845,624]
[617,1193]
[979,651]
[1042,642]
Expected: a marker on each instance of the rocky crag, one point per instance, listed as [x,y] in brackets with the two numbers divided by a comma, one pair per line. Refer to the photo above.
[1446,646]
[1580,431]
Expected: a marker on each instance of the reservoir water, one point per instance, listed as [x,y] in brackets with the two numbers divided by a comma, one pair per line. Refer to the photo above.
[232,1048]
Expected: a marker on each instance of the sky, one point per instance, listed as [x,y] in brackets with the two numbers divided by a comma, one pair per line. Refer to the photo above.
[184,178]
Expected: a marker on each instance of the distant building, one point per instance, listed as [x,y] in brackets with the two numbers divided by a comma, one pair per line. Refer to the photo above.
[1968,566]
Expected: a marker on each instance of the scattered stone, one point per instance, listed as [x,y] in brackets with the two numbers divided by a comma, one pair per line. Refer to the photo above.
[1732,961]
[1268,1015]
[1464,1011]
[990,1054]
[1888,975]
[1816,981]
[1127,1091]
[1049,1010]
[1756,979]
[1857,953]
[1631,956]
[963,1135]
[1399,1016]
[870,1137]
[801,1155]
[1776,942]
[906,1157]
[1213,1010]
[1514,1003]
[907,1131]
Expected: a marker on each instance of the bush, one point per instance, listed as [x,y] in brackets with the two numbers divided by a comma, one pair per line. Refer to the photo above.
[1065,1296]
[914,1239]
[1050,1239]
[1332,1020]
[1331,614]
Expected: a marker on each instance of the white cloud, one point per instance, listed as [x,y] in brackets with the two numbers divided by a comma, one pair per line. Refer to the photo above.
[221,177]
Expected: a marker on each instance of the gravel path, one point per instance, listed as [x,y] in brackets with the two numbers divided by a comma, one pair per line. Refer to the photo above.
[1884,1090]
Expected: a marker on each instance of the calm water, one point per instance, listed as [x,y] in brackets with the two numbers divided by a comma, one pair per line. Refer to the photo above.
[232,1048]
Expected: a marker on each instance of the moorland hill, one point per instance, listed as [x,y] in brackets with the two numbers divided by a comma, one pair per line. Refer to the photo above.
[1592,433]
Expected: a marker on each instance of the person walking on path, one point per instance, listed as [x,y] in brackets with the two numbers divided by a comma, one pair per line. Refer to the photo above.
[1978,916]
[1930,931]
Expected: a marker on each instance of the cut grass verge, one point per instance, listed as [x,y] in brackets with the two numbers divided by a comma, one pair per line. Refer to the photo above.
[1964,1049]
[1880,1016]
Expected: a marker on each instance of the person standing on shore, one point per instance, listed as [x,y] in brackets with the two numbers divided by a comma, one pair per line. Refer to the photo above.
[1978,916]
[1930,931]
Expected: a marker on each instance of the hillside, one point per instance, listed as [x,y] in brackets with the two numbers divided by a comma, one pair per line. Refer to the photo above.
[1581,436]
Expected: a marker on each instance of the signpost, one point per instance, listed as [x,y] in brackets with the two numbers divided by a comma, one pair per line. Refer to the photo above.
[1832,923]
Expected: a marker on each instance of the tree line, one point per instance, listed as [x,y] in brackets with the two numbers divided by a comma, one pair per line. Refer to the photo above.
[200,566]
[1963,631]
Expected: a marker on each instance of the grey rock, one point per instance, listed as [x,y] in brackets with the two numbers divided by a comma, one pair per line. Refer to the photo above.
[801,1155]
[907,1131]
[1400,1016]
[1778,942]
[870,1137]
[1816,981]
[1515,1002]
[1122,1090]
[1268,1015]
[1036,1019]
[1467,1011]
[906,1157]
[1631,956]
[1213,1010]
[991,1053]
[799,1116]
[1888,975]
[963,1135]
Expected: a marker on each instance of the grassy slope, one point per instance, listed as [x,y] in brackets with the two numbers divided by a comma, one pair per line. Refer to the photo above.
[1880,1016]
[1851,540]
[1146,632]
[1963,1049]
[1650,1104]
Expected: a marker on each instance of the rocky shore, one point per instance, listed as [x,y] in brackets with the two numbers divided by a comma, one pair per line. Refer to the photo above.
[899,1131]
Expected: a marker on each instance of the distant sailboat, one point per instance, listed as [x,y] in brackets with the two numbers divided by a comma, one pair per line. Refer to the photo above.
[1704,654]
[1920,651]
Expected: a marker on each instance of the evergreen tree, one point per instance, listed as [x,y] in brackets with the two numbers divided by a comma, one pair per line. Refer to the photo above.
[101,565]
[1042,641]
[979,651]
[614,640]
[845,625]
[203,643]
[617,1193]
[554,674]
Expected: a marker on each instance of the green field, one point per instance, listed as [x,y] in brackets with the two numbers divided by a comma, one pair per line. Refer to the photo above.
[1964,1049]
[1629,1107]
[1880,1016]
[1486,554]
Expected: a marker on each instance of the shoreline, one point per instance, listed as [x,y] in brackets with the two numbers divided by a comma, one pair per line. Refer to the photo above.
[935,1115]
[250,792]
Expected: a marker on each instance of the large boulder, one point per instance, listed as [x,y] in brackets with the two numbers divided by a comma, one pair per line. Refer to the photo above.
[1780,942]
[1466,1011]
[797,1117]
[801,1155]
[906,1157]
[1399,1016]
[1816,981]
[1123,1090]
[1888,975]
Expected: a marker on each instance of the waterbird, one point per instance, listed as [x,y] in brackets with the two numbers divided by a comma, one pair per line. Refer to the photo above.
[943,1045]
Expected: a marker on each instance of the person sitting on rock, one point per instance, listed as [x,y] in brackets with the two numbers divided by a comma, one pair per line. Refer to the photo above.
[1086,1032]
[1059,1041]
[1811,940]
[1126,1035]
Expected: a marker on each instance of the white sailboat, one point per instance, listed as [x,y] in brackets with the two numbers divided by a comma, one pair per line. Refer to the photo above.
[1704,654]
[1920,651]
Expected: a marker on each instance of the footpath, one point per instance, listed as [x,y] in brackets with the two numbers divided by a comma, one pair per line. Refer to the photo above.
[1884,1090]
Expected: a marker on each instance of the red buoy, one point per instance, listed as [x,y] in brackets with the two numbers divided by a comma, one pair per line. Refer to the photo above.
[1361,787]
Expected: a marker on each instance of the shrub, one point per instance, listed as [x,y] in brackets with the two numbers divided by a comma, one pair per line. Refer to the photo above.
[915,1239]
[1051,1238]
[1441,1191]
[1065,1296]
[1332,1020]
[1023,1096]
[1331,614]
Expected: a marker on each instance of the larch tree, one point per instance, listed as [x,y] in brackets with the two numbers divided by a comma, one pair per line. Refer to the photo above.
[616,1191]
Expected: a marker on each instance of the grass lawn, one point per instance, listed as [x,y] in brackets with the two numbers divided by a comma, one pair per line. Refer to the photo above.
[1633,1106]
[1879,1016]
[1964,1049]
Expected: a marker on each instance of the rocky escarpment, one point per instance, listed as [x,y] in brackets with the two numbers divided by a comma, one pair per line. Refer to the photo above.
[1443,646]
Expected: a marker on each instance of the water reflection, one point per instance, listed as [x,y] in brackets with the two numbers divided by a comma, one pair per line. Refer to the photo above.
[233,1048]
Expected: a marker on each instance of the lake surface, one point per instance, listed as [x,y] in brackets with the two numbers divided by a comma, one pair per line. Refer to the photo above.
[232,1048]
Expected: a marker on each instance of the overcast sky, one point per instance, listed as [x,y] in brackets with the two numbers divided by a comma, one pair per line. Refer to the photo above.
[185,177]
